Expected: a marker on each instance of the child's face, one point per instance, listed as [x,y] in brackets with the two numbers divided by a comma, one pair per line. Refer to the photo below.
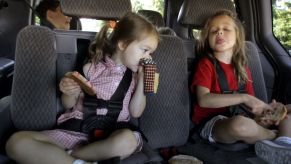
[58,19]
[138,49]
[222,34]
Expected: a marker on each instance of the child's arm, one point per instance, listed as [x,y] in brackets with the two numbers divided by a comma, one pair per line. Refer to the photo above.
[70,90]
[138,100]
[211,100]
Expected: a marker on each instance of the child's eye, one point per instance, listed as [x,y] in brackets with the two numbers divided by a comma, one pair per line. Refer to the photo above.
[213,31]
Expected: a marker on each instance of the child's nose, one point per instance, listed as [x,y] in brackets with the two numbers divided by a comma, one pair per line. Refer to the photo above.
[220,32]
[147,55]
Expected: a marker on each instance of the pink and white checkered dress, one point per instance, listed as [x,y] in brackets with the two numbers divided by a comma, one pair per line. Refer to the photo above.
[105,77]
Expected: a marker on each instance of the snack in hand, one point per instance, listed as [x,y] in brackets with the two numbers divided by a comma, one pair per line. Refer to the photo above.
[150,75]
[82,81]
[278,114]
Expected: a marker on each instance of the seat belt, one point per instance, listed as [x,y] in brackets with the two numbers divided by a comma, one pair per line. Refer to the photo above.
[223,81]
[115,104]
[239,109]
[92,121]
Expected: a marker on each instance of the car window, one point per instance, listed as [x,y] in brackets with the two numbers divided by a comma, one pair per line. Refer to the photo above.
[282,22]
[95,25]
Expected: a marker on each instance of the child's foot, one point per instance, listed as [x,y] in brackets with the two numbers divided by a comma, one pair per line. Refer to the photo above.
[277,151]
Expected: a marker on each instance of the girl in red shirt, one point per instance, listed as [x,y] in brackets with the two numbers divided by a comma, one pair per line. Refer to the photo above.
[222,42]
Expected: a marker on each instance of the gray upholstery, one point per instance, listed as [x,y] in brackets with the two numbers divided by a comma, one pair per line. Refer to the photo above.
[6,125]
[153,16]
[195,13]
[69,45]
[165,121]
[147,155]
[96,9]
[255,66]
[34,86]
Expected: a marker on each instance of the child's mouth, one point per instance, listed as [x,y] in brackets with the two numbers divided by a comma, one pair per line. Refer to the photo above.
[219,41]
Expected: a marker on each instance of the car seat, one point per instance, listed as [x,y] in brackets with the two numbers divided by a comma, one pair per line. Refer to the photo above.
[194,14]
[157,19]
[153,16]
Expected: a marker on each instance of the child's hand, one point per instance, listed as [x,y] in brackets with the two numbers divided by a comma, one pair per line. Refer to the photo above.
[140,73]
[69,87]
[257,106]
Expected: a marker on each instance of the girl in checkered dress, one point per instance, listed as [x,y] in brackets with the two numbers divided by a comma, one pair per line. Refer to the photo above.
[132,39]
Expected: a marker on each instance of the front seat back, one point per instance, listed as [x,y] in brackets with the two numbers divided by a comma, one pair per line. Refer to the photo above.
[33,99]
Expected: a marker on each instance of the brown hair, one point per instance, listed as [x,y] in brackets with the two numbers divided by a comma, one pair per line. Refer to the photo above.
[42,9]
[239,59]
[131,27]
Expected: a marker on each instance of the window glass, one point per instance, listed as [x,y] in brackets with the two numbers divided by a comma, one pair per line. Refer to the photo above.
[156,5]
[282,22]
[95,25]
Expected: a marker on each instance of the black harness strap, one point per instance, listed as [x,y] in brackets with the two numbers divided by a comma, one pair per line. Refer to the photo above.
[235,109]
[92,121]
[114,105]
[223,80]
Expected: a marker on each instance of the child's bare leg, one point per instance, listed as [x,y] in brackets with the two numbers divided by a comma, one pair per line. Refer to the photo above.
[121,143]
[284,126]
[239,128]
[34,148]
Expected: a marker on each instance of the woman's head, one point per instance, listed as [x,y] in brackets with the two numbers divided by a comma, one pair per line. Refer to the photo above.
[223,33]
[49,11]
[132,33]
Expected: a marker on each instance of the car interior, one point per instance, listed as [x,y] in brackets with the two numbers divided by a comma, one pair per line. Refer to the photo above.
[34,59]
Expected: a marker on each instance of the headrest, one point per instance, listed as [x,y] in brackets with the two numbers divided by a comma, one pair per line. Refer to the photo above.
[153,16]
[195,13]
[96,9]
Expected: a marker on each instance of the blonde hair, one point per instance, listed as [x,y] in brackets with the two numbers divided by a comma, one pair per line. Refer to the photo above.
[239,59]
[131,27]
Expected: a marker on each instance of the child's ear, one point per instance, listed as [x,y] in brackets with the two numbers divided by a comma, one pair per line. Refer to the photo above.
[49,14]
[121,45]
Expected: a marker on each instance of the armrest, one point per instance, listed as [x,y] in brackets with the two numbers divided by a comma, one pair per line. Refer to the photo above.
[6,76]
[6,124]
[6,66]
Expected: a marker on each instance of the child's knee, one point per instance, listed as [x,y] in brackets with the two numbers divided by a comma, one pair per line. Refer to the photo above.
[242,127]
[127,142]
[17,142]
